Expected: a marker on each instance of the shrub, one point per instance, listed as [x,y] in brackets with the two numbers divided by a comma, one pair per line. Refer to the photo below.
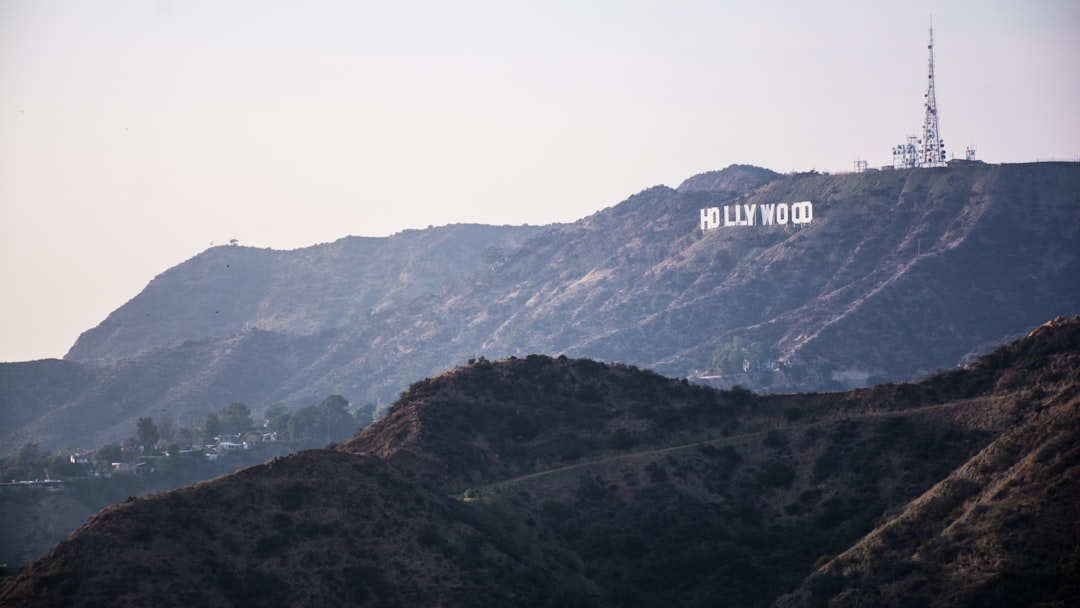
[429,537]
[775,439]
[775,474]
[622,440]
[292,496]
[589,394]
[657,474]
[521,428]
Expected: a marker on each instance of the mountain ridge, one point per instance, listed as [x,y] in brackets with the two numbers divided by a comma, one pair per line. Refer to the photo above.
[929,263]
[271,289]
[788,500]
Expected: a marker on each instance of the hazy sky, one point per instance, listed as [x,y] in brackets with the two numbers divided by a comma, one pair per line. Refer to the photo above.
[135,133]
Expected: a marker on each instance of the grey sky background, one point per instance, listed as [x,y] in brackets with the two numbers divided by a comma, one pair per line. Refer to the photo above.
[135,133]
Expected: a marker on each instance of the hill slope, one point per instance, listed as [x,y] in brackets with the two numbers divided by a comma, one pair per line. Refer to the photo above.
[314,528]
[225,290]
[593,484]
[999,530]
[899,273]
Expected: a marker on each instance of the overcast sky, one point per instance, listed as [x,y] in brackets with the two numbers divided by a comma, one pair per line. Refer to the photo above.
[135,133]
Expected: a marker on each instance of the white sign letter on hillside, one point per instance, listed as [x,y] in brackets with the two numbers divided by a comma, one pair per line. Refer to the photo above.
[781,214]
[746,214]
[710,218]
[767,214]
[802,213]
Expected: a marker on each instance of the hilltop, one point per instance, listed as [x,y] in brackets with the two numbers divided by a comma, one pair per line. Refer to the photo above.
[559,481]
[227,289]
[900,273]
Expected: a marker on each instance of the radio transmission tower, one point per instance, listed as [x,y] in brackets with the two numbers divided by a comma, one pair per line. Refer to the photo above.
[929,151]
[933,148]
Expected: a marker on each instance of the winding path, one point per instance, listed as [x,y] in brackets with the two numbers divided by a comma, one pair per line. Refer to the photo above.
[720,441]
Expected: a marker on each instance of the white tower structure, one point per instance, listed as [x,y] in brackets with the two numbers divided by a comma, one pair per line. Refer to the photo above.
[932,153]
[929,150]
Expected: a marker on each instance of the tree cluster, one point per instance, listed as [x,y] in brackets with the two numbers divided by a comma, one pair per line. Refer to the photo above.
[328,422]
[233,419]
[739,356]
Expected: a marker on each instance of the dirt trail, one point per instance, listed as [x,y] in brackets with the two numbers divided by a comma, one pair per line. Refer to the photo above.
[717,442]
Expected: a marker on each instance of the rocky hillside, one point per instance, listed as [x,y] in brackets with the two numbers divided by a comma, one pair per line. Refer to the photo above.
[555,481]
[226,290]
[315,528]
[898,274]
[1001,529]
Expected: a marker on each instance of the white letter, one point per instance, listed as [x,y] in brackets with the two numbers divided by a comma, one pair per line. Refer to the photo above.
[750,213]
[710,218]
[802,213]
[767,214]
[727,220]
[781,214]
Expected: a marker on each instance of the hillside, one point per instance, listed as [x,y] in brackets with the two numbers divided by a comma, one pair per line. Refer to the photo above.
[900,273]
[228,289]
[999,530]
[556,481]
[315,528]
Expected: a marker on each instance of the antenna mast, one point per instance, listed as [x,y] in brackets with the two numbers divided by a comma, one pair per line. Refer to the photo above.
[929,151]
[932,153]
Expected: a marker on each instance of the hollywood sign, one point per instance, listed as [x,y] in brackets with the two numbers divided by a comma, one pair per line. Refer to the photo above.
[754,214]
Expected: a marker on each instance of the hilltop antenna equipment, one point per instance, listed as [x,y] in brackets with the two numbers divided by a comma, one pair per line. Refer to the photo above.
[929,151]
[933,149]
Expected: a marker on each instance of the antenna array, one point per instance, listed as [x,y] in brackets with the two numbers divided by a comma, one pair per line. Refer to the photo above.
[928,151]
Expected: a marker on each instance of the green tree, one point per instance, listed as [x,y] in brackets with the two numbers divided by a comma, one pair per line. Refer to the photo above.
[106,455]
[273,411]
[29,463]
[280,424]
[739,356]
[146,431]
[166,428]
[236,418]
[335,420]
[184,436]
[304,424]
[130,446]
[211,427]
[364,415]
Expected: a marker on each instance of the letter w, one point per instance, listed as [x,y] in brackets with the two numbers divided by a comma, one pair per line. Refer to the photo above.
[767,214]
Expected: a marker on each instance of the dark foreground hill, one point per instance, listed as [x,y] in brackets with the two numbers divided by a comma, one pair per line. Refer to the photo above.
[898,274]
[562,482]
